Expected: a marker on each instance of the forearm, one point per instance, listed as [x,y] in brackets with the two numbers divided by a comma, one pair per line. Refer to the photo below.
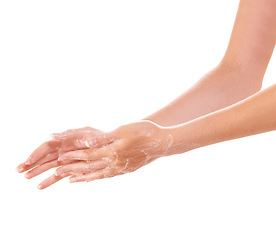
[240,72]
[221,87]
[254,115]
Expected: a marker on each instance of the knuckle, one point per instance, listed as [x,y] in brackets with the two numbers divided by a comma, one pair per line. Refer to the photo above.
[78,143]
[93,141]
[121,144]
[60,161]
[113,155]
[101,139]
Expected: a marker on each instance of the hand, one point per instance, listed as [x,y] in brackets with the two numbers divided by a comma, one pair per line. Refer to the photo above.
[123,150]
[46,155]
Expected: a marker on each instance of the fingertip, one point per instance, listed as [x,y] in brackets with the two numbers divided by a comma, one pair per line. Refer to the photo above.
[19,169]
[42,186]
[27,175]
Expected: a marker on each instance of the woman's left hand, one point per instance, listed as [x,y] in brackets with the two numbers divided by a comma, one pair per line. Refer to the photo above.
[123,150]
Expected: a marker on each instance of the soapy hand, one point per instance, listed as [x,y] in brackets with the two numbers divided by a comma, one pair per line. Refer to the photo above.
[46,155]
[123,150]
[104,155]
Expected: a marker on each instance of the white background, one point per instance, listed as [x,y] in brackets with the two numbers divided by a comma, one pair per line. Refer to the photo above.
[70,64]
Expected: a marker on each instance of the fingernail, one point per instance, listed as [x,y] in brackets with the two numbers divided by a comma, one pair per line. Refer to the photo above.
[39,186]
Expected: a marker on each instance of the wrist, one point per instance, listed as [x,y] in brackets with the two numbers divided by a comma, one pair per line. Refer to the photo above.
[183,138]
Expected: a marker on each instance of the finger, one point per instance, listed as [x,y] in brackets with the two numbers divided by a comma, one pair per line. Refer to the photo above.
[42,168]
[96,140]
[74,155]
[78,141]
[70,132]
[42,150]
[75,133]
[103,139]
[47,158]
[104,173]
[82,168]
[67,133]
[84,155]
[92,154]
[22,167]
[50,180]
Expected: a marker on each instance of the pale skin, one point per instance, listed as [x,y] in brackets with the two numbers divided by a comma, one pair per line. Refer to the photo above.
[224,104]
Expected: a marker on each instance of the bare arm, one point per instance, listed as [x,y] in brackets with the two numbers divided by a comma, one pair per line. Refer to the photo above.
[240,72]
[254,115]
[134,145]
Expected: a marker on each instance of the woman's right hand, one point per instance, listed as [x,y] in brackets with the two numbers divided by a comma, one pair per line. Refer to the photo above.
[46,155]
